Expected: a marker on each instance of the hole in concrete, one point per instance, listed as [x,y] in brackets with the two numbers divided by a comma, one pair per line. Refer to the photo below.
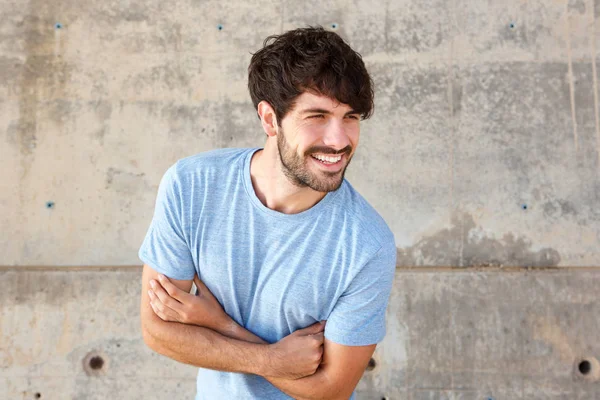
[524,206]
[585,367]
[38,395]
[96,362]
[58,25]
[50,204]
[220,27]
[118,344]
[371,365]
[512,25]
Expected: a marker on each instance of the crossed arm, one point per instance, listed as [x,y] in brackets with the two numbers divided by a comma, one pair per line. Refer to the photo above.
[303,365]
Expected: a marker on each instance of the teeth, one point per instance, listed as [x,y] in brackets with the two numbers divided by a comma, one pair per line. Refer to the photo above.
[330,159]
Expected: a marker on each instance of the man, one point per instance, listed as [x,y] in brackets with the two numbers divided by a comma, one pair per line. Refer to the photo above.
[294,268]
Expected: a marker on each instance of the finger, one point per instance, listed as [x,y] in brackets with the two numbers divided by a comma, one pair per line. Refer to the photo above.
[163,296]
[155,302]
[162,311]
[202,288]
[320,337]
[312,330]
[323,360]
[158,313]
[171,289]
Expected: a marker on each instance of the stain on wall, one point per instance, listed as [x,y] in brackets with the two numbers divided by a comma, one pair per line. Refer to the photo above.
[466,244]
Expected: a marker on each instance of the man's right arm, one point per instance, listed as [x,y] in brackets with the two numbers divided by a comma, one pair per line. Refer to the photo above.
[196,345]
[232,348]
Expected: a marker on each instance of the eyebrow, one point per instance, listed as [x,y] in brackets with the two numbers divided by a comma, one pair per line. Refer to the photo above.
[323,111]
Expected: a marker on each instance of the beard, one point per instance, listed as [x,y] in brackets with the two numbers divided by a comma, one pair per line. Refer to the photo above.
[295,167]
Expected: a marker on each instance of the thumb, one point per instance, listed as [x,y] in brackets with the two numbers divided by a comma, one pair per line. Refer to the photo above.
[201,287]
[312,329]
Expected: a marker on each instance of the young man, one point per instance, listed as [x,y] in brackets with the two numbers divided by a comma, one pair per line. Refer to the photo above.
[294,268]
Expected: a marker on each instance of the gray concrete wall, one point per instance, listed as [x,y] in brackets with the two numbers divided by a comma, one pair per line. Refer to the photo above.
[483,153]
[452,335]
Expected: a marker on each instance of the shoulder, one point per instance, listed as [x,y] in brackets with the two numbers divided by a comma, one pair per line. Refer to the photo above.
[366,221]
[213,159]
[208,164]
[203,169]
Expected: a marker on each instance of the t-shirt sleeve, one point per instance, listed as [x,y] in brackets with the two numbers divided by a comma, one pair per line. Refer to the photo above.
[358,317]
[165,247]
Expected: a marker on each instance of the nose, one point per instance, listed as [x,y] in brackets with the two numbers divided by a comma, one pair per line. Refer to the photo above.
[336,136]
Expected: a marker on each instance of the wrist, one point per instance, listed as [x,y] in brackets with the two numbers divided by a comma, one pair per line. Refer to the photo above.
[267,369]
[228,327]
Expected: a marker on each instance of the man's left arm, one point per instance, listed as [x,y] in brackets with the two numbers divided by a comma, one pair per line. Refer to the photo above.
[354,327]
[337,376]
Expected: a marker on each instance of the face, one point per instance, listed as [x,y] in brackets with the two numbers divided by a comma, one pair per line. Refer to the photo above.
[316,142]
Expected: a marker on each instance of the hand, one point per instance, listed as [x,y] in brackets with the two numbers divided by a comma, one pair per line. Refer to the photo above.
[173,304]
[298,354]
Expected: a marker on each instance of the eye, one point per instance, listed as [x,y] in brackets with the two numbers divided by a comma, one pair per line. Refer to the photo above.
[353,117]
[317,116]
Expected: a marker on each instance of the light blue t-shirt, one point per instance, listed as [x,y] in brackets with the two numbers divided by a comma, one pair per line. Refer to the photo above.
[274,273]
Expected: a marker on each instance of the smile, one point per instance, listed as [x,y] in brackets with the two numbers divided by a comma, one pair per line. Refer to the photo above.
[327,159]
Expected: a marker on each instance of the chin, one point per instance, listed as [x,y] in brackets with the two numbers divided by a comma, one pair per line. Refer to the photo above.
[327,185]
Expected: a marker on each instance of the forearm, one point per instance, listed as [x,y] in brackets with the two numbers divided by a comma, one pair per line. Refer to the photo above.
[204,347]
[237,350]
[313,387]
[316,386]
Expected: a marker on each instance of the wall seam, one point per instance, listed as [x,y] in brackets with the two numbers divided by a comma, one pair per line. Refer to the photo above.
[595,79]
[571,84]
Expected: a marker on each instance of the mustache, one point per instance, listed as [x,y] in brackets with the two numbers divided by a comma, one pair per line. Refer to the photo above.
[327,150]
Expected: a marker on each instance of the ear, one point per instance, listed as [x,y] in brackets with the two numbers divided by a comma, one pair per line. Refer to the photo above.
[268,118]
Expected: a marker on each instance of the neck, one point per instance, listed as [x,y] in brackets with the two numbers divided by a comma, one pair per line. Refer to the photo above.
[273,188]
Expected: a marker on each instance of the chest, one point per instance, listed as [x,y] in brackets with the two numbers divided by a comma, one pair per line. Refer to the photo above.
[274,277]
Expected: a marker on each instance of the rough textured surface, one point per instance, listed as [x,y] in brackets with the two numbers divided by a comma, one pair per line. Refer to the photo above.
[484,151]
[50,321]
[484,148]
[451,335]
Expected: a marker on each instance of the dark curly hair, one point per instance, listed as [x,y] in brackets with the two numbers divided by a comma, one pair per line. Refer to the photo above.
[309,59]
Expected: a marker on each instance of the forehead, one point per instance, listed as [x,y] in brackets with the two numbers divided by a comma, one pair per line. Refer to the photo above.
[308,100]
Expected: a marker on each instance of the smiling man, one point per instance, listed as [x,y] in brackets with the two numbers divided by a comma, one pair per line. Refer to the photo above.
[277,241]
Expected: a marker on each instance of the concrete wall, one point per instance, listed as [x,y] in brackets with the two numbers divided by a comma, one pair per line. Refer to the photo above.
[452,335]
[483,153]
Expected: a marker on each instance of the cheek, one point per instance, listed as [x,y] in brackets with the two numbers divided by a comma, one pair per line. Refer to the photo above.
[354,136]
[308,137]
